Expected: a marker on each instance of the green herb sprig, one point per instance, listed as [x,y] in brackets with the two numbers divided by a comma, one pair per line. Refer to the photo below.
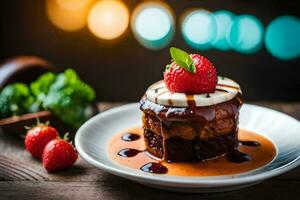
[183,59]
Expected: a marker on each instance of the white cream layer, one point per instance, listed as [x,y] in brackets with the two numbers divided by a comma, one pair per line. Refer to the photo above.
[226,90]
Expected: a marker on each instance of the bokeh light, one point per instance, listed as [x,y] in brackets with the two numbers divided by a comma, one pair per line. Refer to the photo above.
[245,34]
[223,19]
[108,19]
[68,19]
[282,38]
[153,24]
[199,29]
[72,4]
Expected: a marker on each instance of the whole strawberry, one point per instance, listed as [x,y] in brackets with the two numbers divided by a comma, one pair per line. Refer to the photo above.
[37,138]
[190,74]
[59,154]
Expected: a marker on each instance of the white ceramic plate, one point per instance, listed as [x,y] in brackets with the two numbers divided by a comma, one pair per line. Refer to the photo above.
[284,131]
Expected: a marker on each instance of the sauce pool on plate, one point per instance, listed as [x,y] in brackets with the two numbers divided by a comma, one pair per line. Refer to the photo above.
[128,149]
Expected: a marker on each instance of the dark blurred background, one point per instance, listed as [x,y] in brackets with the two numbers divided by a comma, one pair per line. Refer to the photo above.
[121,69]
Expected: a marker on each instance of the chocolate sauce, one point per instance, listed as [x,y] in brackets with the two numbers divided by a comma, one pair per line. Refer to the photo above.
[204,114]
[238,157]
[170,102]
[228,86]
[156,89]
[198,116]
[250,143]
[128,152]
[152,167]
[155,168]
[258,157]
[190,100]
[221,90]
[130,137]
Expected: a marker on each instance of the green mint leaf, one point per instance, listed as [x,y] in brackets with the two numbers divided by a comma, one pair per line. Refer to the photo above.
[167,66]
[183,59]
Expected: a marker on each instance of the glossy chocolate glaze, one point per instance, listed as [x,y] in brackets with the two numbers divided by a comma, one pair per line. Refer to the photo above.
[197,116]
[205,113]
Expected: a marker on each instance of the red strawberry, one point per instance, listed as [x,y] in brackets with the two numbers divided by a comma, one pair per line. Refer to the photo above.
[190,74]
[37,138]
[59,154]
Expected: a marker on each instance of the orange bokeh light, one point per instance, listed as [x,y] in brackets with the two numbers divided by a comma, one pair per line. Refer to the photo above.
[108,19]
[68,15]
[72,4]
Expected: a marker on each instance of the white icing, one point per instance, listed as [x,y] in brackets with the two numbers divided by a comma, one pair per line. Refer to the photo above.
[159,94]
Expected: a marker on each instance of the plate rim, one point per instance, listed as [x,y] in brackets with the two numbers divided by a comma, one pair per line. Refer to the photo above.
[188,181]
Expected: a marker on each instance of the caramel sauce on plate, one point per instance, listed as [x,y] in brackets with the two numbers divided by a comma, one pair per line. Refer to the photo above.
[254,151]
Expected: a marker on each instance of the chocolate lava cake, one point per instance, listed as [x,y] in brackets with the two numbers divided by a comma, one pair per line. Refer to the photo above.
[179,127]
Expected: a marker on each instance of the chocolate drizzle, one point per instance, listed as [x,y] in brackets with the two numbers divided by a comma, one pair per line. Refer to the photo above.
[228,86]
[153,167]
[128,152]
[198,116]
[221,90]
[191,112]
[250,143]
[130,137]
[157,89]
[225,90]
[234,156]
[190,100]
[246,158]
[238,157]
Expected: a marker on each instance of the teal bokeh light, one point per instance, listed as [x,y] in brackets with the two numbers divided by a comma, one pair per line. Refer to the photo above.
[282,37]
[199,29]
[245,34]
[153,25]
[223,18]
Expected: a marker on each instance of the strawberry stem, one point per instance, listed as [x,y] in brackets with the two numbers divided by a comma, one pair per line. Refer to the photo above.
[38,123]
[66,137]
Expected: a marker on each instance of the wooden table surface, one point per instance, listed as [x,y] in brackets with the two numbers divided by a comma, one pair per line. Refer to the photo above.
[23,177]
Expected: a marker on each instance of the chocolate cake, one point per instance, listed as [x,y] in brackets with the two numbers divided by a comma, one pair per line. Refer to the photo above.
[179,127]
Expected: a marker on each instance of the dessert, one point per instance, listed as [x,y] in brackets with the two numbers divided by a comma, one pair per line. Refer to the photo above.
[192,114]
[190,125]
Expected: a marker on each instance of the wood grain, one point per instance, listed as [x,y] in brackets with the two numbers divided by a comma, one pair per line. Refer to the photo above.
[23,177]
[122,189]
